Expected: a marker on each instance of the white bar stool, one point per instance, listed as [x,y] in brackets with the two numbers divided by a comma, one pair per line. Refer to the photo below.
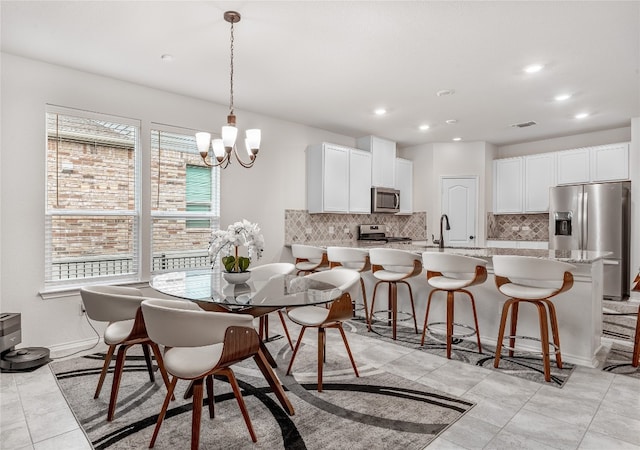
[392,266]
[309,259]
[453,273]
[355,259]
[531,280]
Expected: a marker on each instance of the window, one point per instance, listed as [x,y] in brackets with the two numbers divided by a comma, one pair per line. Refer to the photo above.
[185,201]
[92,205]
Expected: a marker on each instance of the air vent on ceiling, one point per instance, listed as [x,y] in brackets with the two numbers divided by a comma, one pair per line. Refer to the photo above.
[524,124]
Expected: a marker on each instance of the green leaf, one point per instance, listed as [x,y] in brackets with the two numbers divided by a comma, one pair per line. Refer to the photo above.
[229,263]
[243,263]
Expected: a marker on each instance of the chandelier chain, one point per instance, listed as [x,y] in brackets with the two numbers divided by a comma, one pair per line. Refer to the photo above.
[231,73]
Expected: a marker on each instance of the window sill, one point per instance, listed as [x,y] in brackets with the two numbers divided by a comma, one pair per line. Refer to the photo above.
[74,291]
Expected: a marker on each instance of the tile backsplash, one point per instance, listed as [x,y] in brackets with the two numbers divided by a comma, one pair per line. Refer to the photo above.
[518,227]
[300,226]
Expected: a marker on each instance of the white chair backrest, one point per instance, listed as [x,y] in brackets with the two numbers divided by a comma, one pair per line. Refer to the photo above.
[307,252]
[530,268]
[345,280]
[352,258]
[175,323]
[448,263]
[392,257]
[266,271]
[111,303]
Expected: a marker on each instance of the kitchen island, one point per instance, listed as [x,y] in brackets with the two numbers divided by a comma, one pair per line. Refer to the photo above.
[579,310]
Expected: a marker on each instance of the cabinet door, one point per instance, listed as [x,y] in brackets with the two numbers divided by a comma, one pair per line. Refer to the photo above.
[539,176]
[507,186]
[610,162]
[336,179]
[359,181]
[383,154]
[573,166]
[404,183]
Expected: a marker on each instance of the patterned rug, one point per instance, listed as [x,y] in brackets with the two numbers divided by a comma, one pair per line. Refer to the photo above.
[377,409]
[521,365]
[619,324]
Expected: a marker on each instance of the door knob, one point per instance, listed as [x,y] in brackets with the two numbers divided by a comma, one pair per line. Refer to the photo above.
[472,237]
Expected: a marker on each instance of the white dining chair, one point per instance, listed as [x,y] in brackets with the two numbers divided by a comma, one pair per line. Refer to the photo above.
[309,259]
[198,345]
[321,317]
[263,273]
[120,307]
[356,259]
[525,279]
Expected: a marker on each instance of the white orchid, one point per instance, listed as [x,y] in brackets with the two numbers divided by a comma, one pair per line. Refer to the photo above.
[236,235]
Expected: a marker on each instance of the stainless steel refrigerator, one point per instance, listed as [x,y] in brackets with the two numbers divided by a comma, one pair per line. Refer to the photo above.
[595,217]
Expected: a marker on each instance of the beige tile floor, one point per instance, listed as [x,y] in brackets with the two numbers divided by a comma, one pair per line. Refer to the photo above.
[594,410]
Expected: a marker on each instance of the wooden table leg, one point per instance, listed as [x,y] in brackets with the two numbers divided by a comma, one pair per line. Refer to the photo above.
[268,355]
[269,375]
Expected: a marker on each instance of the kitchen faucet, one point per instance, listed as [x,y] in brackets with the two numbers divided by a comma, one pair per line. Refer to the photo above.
[446,218]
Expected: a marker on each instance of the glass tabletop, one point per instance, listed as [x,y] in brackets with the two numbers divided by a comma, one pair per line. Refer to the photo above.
[207,285]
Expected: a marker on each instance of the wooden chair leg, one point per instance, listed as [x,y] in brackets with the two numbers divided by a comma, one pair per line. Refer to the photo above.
[635,362]
[373,303]
[295,350]
[554,331]
[475,318]
[117,374]
[163,411]
[147,359]
[503,324]
[393,306]
[243,408]
[160,363]
[210,396]
[105,369]
[286,330]
[196,414]
[413,308]
[450,308]
[364,302]
[544,339]
[321,348]
[514,327]
[346,344]
[426,316]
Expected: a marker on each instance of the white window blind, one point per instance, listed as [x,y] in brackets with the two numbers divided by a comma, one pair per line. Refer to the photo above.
[185,200]
[92,204]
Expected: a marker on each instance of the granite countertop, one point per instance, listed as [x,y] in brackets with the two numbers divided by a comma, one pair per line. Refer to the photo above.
[570,256]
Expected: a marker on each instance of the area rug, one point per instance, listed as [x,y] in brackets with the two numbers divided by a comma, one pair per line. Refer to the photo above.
[619,361]
[376,410]
[521,365]
[619,319]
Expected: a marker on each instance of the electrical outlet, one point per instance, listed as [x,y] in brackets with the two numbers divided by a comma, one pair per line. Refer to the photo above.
[332,230]
[515,228]
[525,228]
[346,230]
[308,230]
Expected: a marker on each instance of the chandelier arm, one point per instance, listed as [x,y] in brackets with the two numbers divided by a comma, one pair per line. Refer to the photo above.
[220,164]
[241,162]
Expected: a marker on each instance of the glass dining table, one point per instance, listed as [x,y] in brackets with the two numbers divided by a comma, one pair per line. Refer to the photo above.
[211,292]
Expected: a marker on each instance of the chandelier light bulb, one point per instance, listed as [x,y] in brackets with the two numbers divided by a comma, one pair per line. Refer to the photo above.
[218,148]
[202,141]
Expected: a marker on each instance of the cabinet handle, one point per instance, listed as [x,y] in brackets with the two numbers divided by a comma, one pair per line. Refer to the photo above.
[472,237]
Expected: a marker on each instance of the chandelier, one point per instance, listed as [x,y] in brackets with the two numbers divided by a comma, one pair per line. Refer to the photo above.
[223,148]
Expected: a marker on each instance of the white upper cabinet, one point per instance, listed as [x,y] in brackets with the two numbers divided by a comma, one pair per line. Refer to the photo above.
[593,164]
[573,166]
[539,176]
[338,179]
[507,185]
[404,183]
[359,181]
[383,154]
[610,162]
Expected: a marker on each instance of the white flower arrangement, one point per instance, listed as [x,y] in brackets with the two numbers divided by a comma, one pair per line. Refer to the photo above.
[236,235]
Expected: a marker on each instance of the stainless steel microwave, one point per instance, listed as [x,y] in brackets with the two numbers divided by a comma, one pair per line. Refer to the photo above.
[385,200]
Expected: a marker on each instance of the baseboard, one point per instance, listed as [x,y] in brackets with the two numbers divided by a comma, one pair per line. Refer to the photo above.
[63,350]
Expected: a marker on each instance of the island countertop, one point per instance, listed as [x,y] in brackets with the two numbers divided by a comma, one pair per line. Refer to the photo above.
[570,256]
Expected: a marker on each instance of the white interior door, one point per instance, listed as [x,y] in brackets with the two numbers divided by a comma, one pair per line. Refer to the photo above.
[459,203]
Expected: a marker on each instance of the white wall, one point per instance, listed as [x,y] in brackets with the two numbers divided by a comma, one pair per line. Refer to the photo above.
[634,164]
[259,194]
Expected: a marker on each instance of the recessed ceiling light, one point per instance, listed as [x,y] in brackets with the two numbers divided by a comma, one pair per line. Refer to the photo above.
[562,97]
[533,68]
[444,92]
[456,139]
[380,111]
[581,115]
[424,127]
[166,57]
[451,121]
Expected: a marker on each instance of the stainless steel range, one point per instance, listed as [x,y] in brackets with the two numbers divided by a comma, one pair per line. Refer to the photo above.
[378,234]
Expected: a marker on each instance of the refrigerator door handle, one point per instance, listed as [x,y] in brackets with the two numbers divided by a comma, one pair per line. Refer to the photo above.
[585,222]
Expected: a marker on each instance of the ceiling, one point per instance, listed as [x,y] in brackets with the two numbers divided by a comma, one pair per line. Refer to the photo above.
[328,64]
